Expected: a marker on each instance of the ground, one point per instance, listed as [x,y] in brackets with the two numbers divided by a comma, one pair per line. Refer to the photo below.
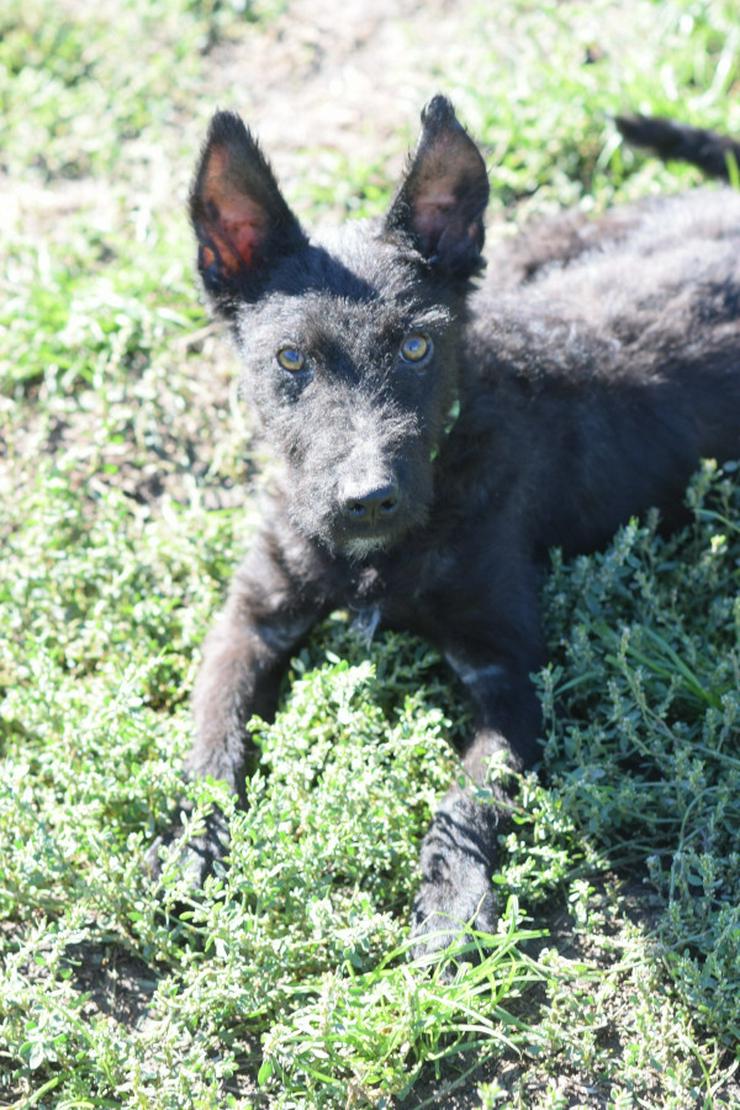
[126,473]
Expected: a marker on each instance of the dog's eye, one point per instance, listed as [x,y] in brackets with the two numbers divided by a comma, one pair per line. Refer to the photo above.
[416,347]
[291,359]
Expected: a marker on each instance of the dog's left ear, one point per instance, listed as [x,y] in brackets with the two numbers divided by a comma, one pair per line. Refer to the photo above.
[242,223]
[443,196]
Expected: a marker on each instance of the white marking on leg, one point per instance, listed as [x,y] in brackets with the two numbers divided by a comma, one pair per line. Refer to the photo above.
[471,675]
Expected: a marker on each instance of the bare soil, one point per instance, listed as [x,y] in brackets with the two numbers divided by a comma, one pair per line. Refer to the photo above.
[340,75]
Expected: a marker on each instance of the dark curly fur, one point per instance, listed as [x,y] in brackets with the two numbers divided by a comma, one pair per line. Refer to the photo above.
[592,367]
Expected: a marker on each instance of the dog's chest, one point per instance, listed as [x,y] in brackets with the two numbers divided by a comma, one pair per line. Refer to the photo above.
[393,592]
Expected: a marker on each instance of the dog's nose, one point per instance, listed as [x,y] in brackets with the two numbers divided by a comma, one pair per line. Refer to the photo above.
[369,506]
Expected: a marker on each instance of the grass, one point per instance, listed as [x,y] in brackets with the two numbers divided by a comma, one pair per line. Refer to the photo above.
[612,980]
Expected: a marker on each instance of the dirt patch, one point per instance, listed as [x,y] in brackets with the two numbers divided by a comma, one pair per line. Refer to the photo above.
[119,985]
[340,77]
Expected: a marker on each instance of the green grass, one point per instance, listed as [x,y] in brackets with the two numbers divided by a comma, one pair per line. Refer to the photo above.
[613,979]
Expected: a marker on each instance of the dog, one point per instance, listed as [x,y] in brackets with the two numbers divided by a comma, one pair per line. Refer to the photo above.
[438,431]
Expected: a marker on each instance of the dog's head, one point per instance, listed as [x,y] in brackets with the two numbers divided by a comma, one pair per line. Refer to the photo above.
[348,341]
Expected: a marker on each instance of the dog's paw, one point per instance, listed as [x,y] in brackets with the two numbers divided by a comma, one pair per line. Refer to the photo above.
[193,857]
[444,909]
[457,859]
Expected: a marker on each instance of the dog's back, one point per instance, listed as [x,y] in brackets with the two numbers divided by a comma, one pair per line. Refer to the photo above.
[625,349]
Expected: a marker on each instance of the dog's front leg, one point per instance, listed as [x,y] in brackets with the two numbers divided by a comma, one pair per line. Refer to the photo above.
[244,657]
[458,853]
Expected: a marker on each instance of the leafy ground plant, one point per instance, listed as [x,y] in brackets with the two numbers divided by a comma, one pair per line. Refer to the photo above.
[613,979]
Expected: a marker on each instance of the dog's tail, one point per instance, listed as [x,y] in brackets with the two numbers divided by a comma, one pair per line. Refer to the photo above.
[713,153]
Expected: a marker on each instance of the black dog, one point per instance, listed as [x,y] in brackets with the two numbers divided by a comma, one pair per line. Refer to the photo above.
[436,435]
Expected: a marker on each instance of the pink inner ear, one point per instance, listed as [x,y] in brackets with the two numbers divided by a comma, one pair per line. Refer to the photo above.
[431,214]
[236,224]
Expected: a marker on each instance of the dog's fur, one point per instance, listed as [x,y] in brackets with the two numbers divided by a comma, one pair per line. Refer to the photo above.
[577,384]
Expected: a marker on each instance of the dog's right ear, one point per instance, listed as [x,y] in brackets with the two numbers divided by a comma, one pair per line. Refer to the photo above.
[240,218]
